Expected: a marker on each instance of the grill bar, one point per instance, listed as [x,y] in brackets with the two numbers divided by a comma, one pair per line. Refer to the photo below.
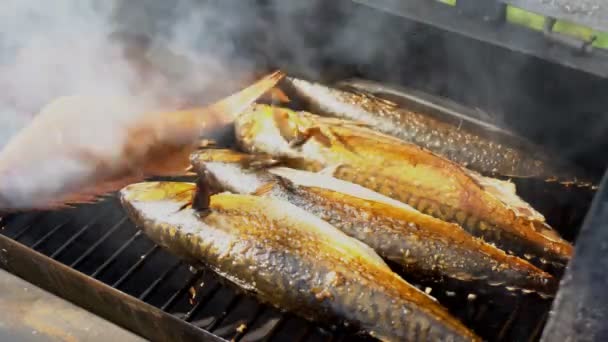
[113,257]
[535,335]
[171,301]
[46,236]
[304,335]
[158,280]
[135,266]
[508,323]
[277,325]
[201,302]
[23,231]
[218,319]
[250,322]
[73,238]
[94,246]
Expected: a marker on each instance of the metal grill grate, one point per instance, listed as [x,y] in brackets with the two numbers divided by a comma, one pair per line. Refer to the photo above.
[99,241]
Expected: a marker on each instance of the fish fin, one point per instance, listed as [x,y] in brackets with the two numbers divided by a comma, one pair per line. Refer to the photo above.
[342,122]
[207,143]
[276,96]
[313,132]
[330,170]
[321,135]
[235,104]
[264,189]
[260,161]
[184,206]
[338,138]
[279,95]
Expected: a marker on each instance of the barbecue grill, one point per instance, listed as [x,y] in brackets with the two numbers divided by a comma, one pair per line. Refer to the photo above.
[547,87]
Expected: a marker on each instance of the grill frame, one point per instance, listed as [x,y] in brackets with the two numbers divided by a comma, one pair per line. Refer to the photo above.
[97,297]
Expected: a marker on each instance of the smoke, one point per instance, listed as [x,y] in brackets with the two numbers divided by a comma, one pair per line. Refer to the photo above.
[111,49]
[54,50]
[167,54]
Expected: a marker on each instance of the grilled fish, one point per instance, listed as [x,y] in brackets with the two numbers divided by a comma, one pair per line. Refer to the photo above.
[423,245]
[470,142]
[82,147]
[290,259]
[485,207]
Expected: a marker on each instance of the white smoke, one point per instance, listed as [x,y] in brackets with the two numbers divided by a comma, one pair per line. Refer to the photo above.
[70,47]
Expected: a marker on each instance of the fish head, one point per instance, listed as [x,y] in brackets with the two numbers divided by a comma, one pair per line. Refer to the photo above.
[162,211]
[228,170]
[149,203]
[271,129]
[155,192]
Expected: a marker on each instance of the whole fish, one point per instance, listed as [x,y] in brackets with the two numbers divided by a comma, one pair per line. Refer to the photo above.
[81,147]
[290,259]
[485,207]
[423,245]
[458,137]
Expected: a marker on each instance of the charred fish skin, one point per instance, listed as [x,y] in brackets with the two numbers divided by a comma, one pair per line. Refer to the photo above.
[400,170]
[421,244]
[446,139]
[279,257]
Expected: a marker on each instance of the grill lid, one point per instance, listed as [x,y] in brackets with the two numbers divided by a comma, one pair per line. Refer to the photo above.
[590,13]
[498,23]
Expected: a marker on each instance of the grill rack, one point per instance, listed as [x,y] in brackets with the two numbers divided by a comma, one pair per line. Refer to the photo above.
[99,242]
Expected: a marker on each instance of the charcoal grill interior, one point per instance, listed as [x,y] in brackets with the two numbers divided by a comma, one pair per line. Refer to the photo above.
[530,96]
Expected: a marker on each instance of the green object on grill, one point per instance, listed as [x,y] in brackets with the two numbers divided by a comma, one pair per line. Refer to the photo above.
[536,22]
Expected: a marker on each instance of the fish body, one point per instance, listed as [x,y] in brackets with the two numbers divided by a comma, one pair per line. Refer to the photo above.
[487,208]
[290,259]
[421,244]
[455,137]
[81,147]
[441,107]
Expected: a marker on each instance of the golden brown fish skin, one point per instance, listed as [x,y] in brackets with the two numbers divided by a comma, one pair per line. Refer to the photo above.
[423,245]
[246,240]
[451,141]
[399,170]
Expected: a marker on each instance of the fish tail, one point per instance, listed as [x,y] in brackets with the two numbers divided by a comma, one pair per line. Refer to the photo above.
[236,103]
